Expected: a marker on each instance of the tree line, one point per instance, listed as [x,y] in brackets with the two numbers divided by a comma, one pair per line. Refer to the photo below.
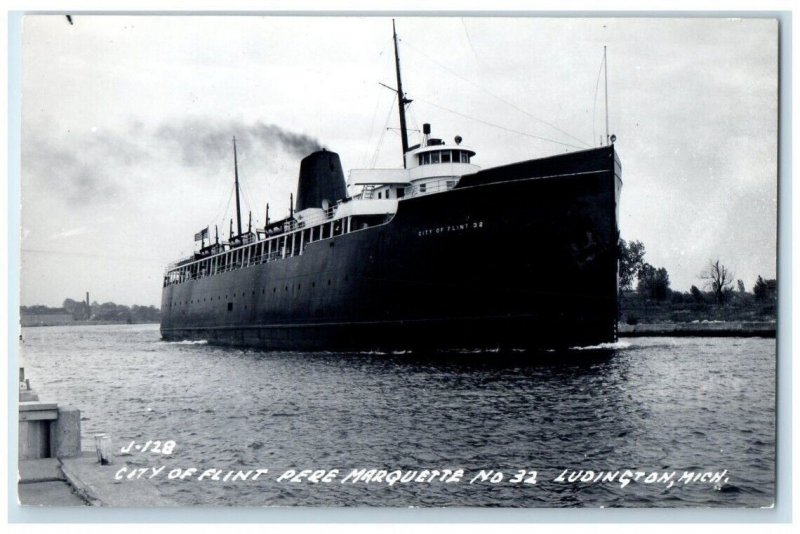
[653,282]
[105,312]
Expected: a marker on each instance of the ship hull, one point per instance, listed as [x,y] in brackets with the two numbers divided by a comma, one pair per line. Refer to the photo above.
[521,256]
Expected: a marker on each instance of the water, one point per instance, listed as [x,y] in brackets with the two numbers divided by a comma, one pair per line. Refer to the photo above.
[646,404]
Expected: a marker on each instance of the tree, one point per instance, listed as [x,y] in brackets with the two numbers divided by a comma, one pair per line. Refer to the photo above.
[69,305]
[697,295]
[740,285]
[718,279]
[653,283]
[631,260]
[765,289]
[77,308]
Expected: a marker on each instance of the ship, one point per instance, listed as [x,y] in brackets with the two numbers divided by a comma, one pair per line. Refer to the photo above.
[437,255]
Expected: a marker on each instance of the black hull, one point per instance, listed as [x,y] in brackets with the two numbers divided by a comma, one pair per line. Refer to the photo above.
[521,256]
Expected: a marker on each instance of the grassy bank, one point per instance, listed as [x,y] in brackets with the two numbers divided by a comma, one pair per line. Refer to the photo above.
[686,308]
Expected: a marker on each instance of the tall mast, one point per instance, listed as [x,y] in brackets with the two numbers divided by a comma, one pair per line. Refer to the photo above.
[401,98]
[605,69]
[236,174]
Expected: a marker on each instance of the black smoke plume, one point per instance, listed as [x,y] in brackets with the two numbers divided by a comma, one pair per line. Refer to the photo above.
[206,142]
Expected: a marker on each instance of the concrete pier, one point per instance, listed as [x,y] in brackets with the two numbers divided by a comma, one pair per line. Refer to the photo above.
[96,484]
[55,471]
[42,483]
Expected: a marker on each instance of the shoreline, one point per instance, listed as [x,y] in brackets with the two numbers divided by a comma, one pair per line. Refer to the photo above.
[766,329]
[704,329]
[88,323]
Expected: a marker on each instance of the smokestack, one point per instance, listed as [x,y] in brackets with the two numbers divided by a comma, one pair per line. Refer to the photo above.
[321,179]
[426,133]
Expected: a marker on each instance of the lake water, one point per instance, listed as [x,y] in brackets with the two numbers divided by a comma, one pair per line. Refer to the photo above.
[648,405]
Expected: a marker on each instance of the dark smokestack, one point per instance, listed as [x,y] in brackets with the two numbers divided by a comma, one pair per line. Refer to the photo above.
[321,178]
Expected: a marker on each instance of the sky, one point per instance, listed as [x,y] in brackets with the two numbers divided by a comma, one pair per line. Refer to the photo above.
[127,127]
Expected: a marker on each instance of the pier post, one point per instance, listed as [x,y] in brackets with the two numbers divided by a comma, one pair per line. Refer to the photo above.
[65,433]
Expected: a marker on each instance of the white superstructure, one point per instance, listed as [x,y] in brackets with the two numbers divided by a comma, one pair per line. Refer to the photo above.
[430,167]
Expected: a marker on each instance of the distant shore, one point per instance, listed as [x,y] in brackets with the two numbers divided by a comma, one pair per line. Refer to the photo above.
[701,329]
[88,323]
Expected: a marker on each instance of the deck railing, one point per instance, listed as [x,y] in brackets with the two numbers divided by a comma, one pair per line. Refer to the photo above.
[286,240]
[292,242]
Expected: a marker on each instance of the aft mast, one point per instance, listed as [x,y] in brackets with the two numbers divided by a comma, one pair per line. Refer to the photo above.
[605,91]
[401,98]
[236,177]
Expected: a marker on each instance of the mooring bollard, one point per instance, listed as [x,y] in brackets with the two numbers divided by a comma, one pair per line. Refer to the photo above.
[26,394]
[102,443]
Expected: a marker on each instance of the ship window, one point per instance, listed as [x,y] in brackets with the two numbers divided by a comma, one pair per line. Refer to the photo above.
[401,192]
[464,157]
[423,188]
[445,156]
[426,158]
[435,157]
[230,306]
[379,195]
[387,193]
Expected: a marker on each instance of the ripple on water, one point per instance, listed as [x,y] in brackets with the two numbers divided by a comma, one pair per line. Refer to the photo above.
[647,403]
